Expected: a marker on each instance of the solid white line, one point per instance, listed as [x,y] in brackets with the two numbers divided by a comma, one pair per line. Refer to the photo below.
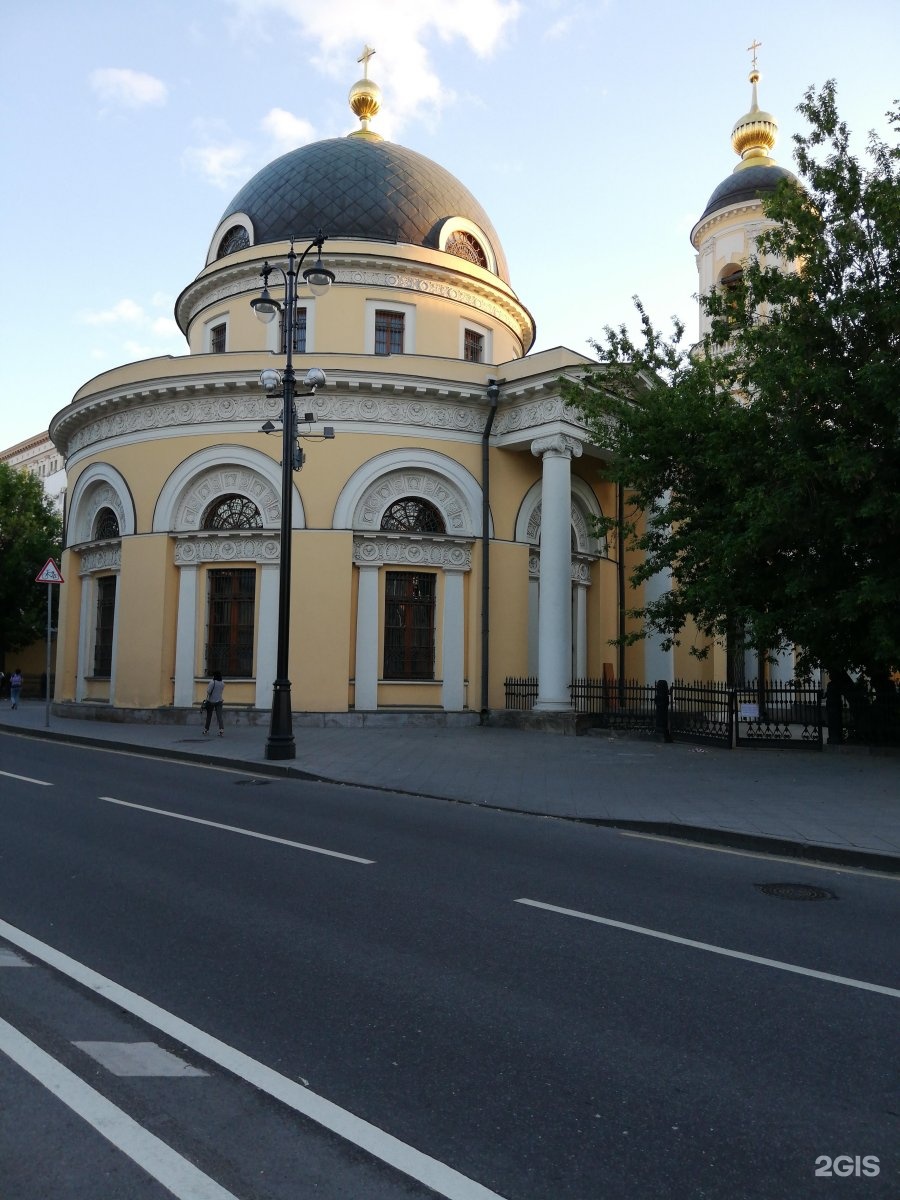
[26,779]
[265,837]
[426,1170]
[680,941]
[160,1161]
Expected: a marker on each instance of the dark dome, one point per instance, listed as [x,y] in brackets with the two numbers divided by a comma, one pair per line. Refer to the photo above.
[359,187]
[752,183]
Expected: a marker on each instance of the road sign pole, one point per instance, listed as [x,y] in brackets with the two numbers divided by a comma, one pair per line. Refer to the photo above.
[49,628]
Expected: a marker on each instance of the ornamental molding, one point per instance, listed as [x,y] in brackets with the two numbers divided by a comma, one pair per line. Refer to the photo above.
[534,414]
[192,551]
[427,280]
[412,552]
[580,570]
[205,489]
[557,445]
[723,215]
[101,495]
[579,525]
[107,557]
[440,491]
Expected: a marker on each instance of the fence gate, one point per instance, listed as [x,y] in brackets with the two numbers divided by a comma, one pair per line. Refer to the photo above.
[701,712]
[784,715]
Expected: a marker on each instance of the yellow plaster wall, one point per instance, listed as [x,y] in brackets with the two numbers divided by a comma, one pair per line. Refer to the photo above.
[321,578]
[145,657]
[67,636]
[508,618]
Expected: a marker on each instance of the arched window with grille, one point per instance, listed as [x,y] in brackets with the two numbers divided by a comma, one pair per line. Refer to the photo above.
[232,512]
[412,515]
[410,596]
[106,525]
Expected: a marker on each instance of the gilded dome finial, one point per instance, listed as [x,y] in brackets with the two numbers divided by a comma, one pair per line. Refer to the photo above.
[754,134]
[365,97]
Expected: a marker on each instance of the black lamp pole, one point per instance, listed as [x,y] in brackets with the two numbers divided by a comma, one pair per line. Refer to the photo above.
[280,743]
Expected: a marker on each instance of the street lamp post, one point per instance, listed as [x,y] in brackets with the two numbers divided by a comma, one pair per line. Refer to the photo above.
[280,743]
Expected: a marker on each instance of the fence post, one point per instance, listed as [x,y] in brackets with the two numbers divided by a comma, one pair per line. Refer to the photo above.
[661,701]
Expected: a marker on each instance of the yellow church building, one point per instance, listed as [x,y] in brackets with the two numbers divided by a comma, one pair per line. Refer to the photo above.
[441,541]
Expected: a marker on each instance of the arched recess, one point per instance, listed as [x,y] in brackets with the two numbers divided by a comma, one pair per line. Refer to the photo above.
[220,471]
[388,477]
[99,486]
[233,220]
[585,508]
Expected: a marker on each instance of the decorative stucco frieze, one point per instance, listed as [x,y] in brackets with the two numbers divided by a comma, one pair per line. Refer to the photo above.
[107,557]
[532,415]
[579,525]
[190,552]
[581,568]
[223,482]
[443,495]
[101,495]
[414,552]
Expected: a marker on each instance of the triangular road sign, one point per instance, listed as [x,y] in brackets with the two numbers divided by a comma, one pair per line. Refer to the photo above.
[49,573]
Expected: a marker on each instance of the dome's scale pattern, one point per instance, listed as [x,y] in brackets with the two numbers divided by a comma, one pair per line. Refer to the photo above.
[357,187]
[749,183]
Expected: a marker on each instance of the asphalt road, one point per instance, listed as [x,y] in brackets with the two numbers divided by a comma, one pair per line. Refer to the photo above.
[541,1009]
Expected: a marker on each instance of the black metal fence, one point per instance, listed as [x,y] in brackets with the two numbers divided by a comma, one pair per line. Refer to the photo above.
[784,715]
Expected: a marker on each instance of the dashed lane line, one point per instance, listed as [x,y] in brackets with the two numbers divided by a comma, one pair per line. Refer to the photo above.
[26,779]
[265,837]
[159,1160]
[680,941]
[441,1178]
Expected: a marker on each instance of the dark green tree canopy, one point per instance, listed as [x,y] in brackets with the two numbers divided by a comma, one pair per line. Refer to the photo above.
[30,533]
[763,465]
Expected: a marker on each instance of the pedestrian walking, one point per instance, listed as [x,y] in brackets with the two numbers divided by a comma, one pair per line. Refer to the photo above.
[15,687]
[214,694]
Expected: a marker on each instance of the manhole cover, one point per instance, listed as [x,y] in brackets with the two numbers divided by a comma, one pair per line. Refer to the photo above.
[251,782]
[795,891]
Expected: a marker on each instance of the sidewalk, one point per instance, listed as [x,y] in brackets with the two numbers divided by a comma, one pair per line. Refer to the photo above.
[841,807]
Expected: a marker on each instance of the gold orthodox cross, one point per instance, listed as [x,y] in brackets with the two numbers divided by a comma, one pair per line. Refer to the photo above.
[364,59]
[753,47]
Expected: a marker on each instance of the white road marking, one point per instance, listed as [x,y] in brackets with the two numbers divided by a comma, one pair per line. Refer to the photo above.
[26,779]
[381,1145]
[680,941]
[138,1059]
[265,837]
[809,863]
[160,1161]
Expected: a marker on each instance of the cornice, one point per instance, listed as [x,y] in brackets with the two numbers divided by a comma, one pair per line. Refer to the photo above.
[232,547]
[101,556]
[724,215]
[381,550]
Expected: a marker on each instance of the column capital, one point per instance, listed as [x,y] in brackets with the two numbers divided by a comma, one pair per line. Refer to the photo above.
[557,445]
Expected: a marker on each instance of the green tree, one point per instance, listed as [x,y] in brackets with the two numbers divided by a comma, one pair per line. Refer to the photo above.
[30,532]
[763,465]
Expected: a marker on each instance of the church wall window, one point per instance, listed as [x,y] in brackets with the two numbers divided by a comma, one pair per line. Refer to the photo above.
[106,525]
[473,346]
[103,630]
[409,624]
[232,512]
[236,238]
[299,346]
[465,245]
[230,623]
[215,335]
[412,515]
[388,332]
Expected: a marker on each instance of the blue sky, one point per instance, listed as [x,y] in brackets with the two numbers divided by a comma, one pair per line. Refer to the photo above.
[592,133]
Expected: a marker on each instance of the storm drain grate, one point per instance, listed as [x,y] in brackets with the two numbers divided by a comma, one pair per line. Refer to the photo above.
[795,891]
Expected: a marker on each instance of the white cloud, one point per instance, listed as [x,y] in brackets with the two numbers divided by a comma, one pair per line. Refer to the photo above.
[331,34]
[286,130]
[125,311]
[221,165]
[130,89]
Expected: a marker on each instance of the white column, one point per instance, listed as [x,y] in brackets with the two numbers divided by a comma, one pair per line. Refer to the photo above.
[580,631]
[534,610]
[266,633]
[452,648]
[555,620]
[782,669]
[84,638]
[366,691]
[658,663]
[186,637]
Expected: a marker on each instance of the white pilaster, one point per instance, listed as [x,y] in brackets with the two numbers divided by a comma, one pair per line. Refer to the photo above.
[367,638]
[580,631]
[555,619]
[534,610]
[186,637]
[658,663]
[117,607]
[452,649]
[267,634]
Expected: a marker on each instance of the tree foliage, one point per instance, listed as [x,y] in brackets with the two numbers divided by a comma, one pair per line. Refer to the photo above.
[30,533]
[764,463]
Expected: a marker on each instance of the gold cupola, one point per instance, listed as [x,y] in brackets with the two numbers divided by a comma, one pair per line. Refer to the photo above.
[365,98]
[754,134]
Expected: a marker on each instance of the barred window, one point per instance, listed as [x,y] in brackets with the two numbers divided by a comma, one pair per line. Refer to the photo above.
[217,339]
[412,515]
[106,524]
[473,346]
[463,245]
[237,238]
[409,606]
[232,512]
[103,632]
[229,646]
[299,332]
[388,332]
